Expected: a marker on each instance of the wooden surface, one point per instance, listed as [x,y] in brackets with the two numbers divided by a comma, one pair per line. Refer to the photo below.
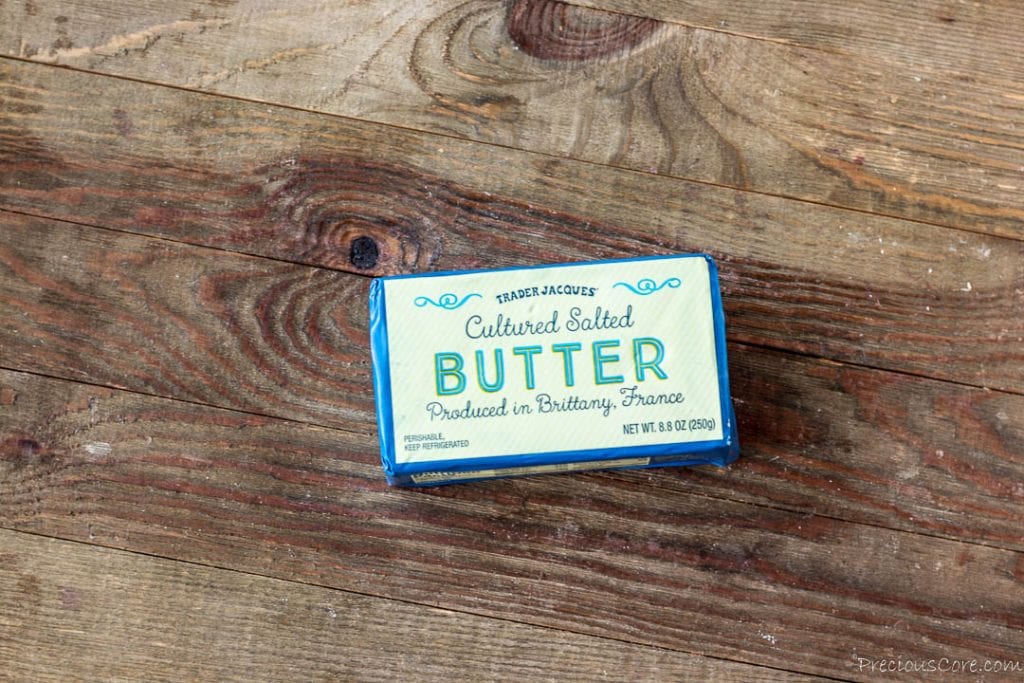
[193,194]
[242,627]
[929,138]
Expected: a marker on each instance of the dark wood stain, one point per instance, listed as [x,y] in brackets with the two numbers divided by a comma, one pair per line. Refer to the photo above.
[559,31]
[63,41]
[123,122]
[24,449]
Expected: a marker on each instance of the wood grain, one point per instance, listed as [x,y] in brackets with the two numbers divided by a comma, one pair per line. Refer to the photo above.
[979,36]
[74,612]
[930,140]
[371,199]
[209,407]
[194,324]
[592,554]
[290,341]
[874,447]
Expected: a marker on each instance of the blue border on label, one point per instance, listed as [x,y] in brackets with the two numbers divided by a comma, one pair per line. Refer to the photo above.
[720,452]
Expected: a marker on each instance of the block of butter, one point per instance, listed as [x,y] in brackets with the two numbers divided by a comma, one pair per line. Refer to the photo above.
[557,368]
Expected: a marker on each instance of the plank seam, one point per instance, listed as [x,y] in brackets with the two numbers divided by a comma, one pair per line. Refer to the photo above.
[618,476]
[412,603]
[462,140]
[609,474]
[245,254]
[711,29]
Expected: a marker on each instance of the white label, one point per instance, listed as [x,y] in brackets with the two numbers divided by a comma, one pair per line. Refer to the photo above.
[567,358]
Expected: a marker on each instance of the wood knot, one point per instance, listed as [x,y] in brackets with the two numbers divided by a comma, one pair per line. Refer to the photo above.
[350,214]
[22,450]
[28,448]
[554,30]
[378,218]
[363,253]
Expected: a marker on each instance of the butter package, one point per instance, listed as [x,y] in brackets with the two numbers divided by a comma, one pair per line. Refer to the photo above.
[559,368]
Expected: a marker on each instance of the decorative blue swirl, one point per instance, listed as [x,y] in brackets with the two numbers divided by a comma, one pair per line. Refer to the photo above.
[446,301]
[648,286]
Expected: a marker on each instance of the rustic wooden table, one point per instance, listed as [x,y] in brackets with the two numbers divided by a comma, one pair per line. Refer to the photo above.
[193,196]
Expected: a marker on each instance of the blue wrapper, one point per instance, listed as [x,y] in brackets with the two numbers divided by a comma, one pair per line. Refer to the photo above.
[558,368]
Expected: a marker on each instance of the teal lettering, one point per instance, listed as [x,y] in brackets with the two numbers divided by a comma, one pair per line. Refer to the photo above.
[499,380]
[528,352]
[601,359]
[448,365]
[654,364]
[566,349]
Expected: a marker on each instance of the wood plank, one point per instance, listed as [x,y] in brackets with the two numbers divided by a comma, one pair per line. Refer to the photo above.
[591,554]
[290,341]
[194,324]
[922,139]
[372,199]
[874,447]
[981,37]
[74,612]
